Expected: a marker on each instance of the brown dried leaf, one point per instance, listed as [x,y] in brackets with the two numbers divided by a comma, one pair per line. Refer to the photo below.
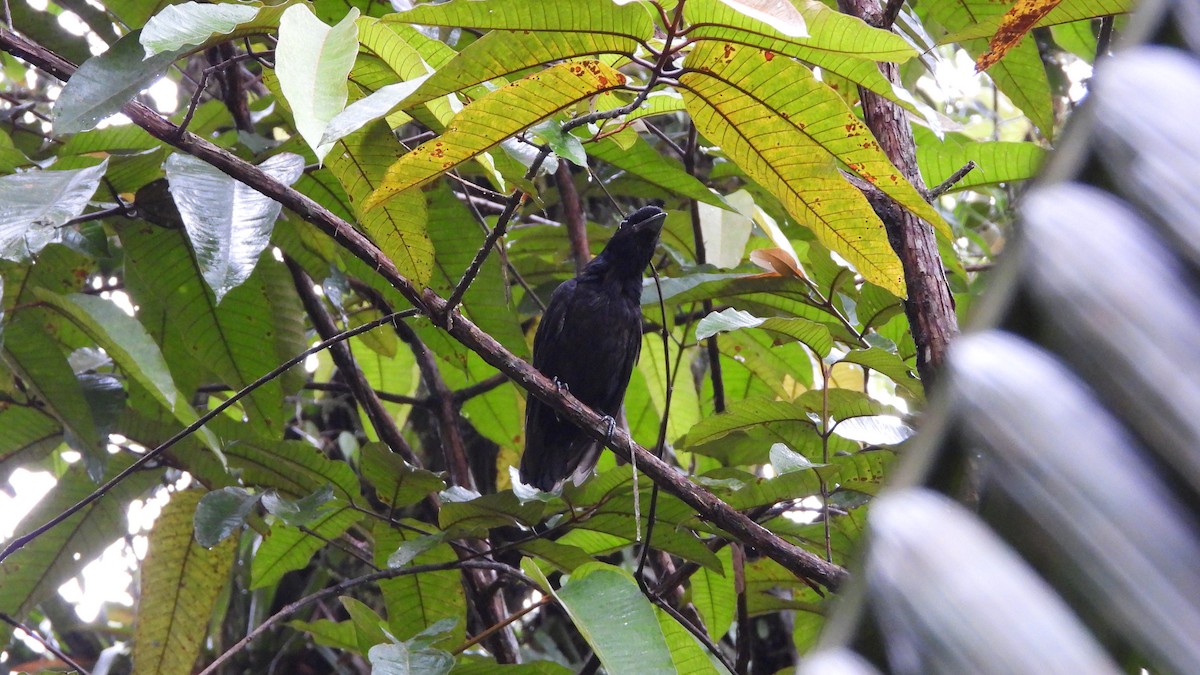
[1019,20]
[778,261]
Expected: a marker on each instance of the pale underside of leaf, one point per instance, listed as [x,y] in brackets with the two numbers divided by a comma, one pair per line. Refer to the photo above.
[791,164]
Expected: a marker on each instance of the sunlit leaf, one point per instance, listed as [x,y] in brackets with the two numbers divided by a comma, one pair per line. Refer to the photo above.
[191,23]
[493,118]
[312,63]
[1065,11]
[784,129]
[996,161]
[228,222]
[34,204]
[1019,20]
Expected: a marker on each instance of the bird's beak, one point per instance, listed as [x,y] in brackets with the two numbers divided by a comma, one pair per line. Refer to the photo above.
[646,219]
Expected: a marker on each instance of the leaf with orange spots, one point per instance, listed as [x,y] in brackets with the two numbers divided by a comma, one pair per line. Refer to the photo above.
[493,118]
[789,132]
[1066,11]
[1020,75]
[525,33]
[1019,20]
[836,42]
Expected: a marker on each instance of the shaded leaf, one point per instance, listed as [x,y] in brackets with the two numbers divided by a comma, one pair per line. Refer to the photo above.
[299,512]
[220,512]
[288,548]
[397,483]
[181,582]
[613,616]
[106,82]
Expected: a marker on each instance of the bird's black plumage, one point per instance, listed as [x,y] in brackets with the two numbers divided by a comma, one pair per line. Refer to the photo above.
[588,340]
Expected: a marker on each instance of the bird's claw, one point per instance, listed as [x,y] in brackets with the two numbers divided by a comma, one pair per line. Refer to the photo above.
[560,386]
[612,429]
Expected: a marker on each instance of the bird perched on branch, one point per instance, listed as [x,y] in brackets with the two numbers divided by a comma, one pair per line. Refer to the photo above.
[587,342]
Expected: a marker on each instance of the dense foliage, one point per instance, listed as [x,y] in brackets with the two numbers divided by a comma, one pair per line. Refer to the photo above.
[355,509]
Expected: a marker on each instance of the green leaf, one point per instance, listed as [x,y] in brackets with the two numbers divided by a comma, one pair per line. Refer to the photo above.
[629,20]
[365,110]
[397,483]
[685,401]
[220,512]
[336,634]
[33,355]
[238,341]
[724,321]
[558,554]
[501,53]
[1020,75]
[412,548]
[360,162]
[889,364]
[495,117]
[312,62]
[228,222]
[290,549]
[648,164]
[997,162]
[130,347]
[742,415]
[741,100]
[1066,11]
[33,574]
[687,654]
[614,617]
[481,513]
[34,204]
[26,435]
[368,626]
[415,602]
[106,82]
[714,597]
[299,512]
[191,23]
[403,658]
[842,44]
[181,582]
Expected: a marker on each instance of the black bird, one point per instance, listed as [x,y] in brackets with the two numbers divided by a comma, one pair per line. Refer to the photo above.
[588,340]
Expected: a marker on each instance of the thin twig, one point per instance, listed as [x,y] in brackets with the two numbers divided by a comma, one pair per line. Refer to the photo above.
[484,634]
[20,542]
[50,646]
[383,422]
[944,186]
[343,587]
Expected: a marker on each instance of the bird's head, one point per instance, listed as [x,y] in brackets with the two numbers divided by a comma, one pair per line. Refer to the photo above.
[632,245]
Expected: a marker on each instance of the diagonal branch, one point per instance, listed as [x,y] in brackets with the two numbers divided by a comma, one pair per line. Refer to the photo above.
[708,506]
[384,425]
